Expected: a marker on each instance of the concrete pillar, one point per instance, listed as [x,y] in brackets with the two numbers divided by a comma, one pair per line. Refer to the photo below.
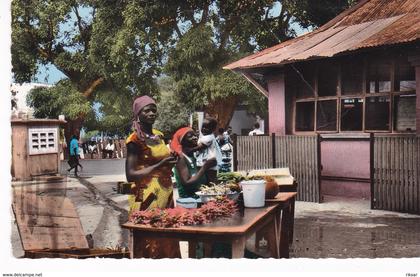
[276,105]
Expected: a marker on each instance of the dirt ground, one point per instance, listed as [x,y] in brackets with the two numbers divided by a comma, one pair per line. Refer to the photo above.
[347,228]
[338,228]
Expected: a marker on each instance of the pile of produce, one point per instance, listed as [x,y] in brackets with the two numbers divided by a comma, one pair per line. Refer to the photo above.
[232,180]
[221,207]
[230,177]
[217,189]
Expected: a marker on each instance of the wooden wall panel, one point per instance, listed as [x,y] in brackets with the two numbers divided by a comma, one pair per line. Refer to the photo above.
[254,152]
[396,173]
[20,152]
[47,222]
[43,164]
[299,153]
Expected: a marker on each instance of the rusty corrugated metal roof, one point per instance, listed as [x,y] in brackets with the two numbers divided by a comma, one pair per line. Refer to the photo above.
[371,23]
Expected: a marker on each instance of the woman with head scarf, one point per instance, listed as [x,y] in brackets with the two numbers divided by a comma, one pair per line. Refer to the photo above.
[149,167]
[188,177]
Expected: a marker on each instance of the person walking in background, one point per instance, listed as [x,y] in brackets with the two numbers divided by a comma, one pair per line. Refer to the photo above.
[74,155]
[256,130]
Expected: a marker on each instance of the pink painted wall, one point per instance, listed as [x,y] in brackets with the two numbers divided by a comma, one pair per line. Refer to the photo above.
[345,158]
[345,189]
[276,105]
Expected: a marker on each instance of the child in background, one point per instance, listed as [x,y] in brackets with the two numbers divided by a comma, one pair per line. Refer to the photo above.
[208,148]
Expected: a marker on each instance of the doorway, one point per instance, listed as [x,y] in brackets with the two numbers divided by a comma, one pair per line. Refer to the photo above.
[345,166]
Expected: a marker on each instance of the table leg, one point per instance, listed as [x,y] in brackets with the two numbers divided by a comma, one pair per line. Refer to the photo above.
[238,247]
[292,219]
[270,235]
[136,246]
[207,249]
[284,233]
[192,246]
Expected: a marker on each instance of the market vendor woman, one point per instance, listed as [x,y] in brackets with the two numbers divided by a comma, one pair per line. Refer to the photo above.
[149,166]
[188,178]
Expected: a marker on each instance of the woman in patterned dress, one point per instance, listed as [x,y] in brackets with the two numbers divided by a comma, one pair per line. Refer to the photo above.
[149,167]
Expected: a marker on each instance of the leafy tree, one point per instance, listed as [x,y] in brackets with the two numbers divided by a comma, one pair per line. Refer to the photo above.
[316,13]
[112,51]
[215,33]
[99,45]
[63,98]
[172,114]
[111,117]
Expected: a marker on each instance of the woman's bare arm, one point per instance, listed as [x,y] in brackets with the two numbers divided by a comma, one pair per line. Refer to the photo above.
[184,174]
[131,173]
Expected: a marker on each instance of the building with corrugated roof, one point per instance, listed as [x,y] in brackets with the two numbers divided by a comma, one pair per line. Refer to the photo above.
[354,76]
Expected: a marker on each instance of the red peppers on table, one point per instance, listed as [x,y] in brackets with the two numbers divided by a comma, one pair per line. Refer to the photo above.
[222,207]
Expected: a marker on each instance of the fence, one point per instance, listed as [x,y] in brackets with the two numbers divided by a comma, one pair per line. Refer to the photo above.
[394,166]
[120,150]
[300,153]
[396,173]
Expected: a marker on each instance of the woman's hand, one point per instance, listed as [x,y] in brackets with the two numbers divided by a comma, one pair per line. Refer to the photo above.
[171,160]
[210,163]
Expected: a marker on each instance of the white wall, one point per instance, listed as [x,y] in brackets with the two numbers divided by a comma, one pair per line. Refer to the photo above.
[241,120]
[22,91]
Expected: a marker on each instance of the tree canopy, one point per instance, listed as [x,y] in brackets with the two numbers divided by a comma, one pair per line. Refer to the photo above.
[99,45]
[112,51]
[215,33]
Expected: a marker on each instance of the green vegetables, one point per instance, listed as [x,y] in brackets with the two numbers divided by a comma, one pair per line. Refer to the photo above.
[230,177]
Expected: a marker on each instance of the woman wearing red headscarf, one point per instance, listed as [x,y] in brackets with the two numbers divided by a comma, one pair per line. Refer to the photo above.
[149,166]
[187,177]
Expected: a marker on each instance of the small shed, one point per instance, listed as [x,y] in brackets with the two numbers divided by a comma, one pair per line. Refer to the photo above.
[353,83]
[35,148]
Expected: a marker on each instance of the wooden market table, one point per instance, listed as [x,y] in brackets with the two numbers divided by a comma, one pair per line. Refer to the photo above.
[274,223]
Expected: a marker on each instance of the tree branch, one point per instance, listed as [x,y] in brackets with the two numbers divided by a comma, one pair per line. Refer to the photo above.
[282,11]
[81,28]
[79,19]
[190,16]
[226,32]
[88,92]
[177,30]
[266,14]
[205,14]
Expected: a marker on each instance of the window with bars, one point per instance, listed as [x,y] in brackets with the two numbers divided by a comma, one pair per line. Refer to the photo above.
[42,140]
[405,112]
[352,114]
[359,94]
[305,116]
[326,115]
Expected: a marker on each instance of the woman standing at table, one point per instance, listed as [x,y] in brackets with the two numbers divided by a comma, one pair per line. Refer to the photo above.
[149,166]
[188,178]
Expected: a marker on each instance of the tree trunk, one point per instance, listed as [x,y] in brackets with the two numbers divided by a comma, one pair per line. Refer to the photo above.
[222,110]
